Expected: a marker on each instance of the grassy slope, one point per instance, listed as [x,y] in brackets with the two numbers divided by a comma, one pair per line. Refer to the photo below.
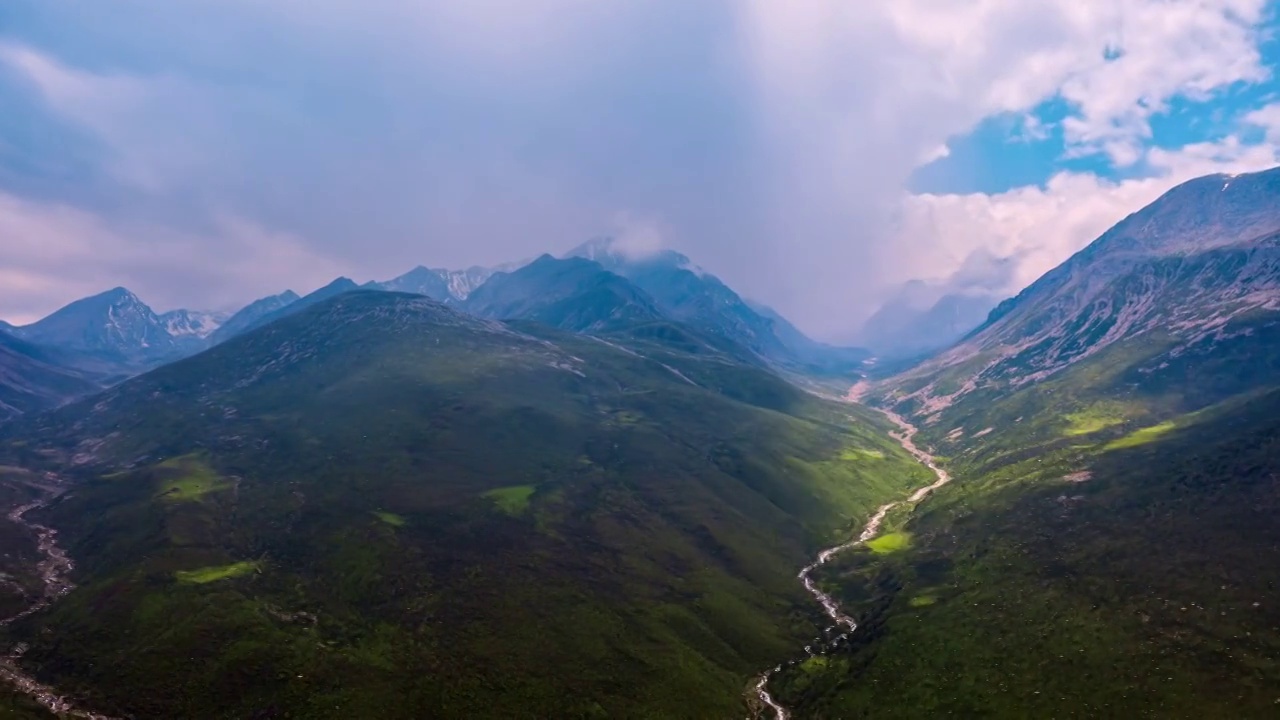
[331,517]
[1032,589]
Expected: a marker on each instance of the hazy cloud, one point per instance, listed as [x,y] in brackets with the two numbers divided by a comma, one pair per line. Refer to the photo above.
[210,151]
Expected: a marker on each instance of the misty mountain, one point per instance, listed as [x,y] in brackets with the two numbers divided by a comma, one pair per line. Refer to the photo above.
[688,294]
[1188,283]
[903,327]
[571,294]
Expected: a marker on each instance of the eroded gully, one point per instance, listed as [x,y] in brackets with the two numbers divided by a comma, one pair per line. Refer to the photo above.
[844,624]
[54,567]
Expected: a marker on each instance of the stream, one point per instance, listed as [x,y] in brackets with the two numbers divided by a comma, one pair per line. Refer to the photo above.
[54,568]
[841,620]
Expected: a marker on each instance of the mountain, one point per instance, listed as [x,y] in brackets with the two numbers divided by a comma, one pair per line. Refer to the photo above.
[903,328]
[686,293]
[1193,276]
[571,294]
[249,315]
[419,281]
[378,506]
[1108,545]
[444,285]
[192,323]
[268,310]
[114,326]
[34,378]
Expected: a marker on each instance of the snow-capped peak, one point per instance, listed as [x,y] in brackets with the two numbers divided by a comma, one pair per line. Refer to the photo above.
[192,323]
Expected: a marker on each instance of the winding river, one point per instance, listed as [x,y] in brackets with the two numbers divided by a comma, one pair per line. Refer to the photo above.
[842,621]
[54,568]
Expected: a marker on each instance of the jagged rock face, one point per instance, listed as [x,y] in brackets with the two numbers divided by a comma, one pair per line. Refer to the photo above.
[1191,265]
[195,324]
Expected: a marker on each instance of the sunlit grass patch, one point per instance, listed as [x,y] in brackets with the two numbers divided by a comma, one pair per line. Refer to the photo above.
[854,454]
[1091,420]
[891,542]
[391,519]
[1141,437]
[214,573]
[513,500]
[188,479]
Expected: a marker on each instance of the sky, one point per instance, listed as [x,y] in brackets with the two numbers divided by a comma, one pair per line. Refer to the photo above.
[815,154]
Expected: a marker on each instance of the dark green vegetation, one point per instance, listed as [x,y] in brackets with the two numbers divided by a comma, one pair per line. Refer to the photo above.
[571,294]
[379,507]
[1109,546]
[1094,580]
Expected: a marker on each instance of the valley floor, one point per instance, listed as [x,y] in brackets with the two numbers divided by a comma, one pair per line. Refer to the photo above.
[1127,573]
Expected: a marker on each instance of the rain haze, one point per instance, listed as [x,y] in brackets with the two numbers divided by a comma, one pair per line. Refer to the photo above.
[815,154]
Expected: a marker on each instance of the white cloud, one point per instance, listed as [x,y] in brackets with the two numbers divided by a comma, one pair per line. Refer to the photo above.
[858,95]
[1040,227]
[774,139]
[1268,119]
[54,253]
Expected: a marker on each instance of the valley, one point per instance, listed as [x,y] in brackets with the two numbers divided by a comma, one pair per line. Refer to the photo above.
[592,486]
[845,625]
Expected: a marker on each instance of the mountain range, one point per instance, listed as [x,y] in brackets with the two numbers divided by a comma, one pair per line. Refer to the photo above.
[593,289]
[382,506]
[1109,544]
[582,486]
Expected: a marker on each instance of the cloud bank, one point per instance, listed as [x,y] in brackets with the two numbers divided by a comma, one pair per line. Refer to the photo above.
[207,152]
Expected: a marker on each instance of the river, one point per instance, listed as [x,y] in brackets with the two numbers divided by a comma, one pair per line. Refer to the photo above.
[54,568]
[842,621]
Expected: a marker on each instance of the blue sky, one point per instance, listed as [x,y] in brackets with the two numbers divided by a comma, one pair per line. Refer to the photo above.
[208,152]
[999,154]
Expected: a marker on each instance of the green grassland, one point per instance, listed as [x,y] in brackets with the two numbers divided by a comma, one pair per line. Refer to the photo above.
[214,573]
[449,523]
[1108,551]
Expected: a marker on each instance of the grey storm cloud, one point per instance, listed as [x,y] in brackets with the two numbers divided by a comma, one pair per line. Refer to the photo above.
[207,152]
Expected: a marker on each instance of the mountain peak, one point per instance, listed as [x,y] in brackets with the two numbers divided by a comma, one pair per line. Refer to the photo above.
[613,253]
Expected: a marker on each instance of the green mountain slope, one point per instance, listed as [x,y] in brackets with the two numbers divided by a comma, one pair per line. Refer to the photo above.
[1130,574]
[379,507]
[1107,548]
[571,294]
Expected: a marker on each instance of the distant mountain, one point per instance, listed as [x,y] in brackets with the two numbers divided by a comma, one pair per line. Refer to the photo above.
[689,294]
[1192,279]
[269,309]
[113,326]
[33,378]
[419,281]
[1112,431]
[192,323]
[251,313]
[904,328]
[571,294]
[444,285]
[397,500]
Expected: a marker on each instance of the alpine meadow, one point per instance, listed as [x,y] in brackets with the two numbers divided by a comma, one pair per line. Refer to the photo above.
[646,361]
